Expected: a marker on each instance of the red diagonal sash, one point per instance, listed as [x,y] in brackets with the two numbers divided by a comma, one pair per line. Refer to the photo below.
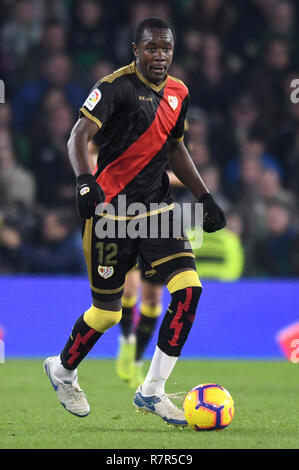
[116,176]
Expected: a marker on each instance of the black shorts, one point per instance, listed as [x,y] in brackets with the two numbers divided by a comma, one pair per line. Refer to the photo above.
[110,258]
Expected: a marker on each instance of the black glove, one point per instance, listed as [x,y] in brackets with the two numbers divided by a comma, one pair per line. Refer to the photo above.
[88,195]
[213,215]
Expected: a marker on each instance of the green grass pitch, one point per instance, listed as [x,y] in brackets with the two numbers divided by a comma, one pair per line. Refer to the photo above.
[265,393]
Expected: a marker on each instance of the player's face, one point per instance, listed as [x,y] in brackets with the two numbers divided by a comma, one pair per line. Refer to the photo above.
[154,54]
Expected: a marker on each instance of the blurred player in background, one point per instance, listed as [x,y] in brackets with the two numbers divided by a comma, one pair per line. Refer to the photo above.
[137,114]
[137,327]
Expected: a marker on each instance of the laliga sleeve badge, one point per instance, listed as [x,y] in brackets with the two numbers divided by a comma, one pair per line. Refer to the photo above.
[93,99]
[105,271]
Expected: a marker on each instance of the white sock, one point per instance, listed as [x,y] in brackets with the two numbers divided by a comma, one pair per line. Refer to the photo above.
[61,372]
[159,371]
[131,339]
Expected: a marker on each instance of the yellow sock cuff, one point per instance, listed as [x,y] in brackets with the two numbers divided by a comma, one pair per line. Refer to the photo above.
[151,311]
[101,320]
[183,280]
[129,302]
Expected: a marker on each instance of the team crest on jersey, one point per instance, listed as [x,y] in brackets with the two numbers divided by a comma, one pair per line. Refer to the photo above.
[173,101]
[93,99]
[105,271]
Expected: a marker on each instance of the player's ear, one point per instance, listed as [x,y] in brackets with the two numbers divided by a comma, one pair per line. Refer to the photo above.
[135,49]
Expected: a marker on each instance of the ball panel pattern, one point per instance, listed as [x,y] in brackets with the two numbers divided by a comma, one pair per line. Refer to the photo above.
[208,407]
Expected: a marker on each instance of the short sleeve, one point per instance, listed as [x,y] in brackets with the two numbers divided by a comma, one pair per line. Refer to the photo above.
[101,103]
[177,132]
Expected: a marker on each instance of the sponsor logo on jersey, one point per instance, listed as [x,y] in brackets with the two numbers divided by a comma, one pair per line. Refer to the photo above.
[93,99]
[145,98]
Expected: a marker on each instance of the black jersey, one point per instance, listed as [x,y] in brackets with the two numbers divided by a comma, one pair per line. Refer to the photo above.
[136,121]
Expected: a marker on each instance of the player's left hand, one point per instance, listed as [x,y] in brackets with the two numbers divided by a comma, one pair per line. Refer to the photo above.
[88,195]
[213,215]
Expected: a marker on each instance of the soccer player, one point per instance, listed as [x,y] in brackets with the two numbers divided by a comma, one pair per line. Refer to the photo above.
[137,115]
[136,333]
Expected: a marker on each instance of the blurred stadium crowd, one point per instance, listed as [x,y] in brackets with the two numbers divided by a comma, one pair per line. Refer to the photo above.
[238,59]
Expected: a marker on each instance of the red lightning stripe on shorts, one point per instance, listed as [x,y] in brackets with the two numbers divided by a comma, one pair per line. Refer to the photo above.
[176,325]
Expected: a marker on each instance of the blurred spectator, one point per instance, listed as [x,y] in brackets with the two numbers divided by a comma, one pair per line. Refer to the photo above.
[244,119]
[212,15]
[163,9]
[191,48]
[277,252]
[269,188]
[250,174]
[50,163]
[57,72]
[195,138]
[266,7]
[282,20]
[137,12]
[263,19]
[234,222]
[212,85]
[53,98]
[243,169]
[17,184]
[180,72]
[197,120]
[54,40]
[246,197]
[20,33]
[200,153]
[20,141]
[99,70]
[202,132]
[201,156]
[260,187]
[59,250]
[266,81]
[89,33]
[211,175]
[221,255]
[5,116]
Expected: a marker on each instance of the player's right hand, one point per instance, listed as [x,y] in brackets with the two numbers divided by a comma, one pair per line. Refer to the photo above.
[213,215]
[88,195]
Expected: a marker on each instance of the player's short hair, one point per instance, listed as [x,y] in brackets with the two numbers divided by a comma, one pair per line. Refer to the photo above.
[151,22]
